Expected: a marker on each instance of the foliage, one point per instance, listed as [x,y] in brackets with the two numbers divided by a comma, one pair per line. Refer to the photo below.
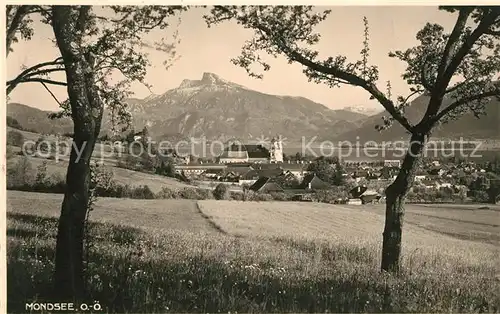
[21,173]
[327,171]
[15,138]
[461,66]
[221,192]
[41,174]
[13,123]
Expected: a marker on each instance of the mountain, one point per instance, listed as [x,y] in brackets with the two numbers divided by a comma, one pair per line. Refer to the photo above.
[218,109]
[38,120]
[363,110]
[467,126]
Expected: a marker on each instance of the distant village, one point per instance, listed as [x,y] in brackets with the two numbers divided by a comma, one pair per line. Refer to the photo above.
[267,170]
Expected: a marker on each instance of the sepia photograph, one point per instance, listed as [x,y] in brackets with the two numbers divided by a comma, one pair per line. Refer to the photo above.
[332,158]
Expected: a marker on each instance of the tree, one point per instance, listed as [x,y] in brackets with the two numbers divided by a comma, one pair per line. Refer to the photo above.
[15,138]
[469,56]
[328,170]
[94,43]
[221,192]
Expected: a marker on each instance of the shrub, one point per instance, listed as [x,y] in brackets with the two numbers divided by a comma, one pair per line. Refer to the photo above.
[41,174]
[15,138]
[221,192]
[330,196]
[236,196]
[261,197]
[9,153]
[142,192]
[13,123]
[279,196]
[21,174]
[481,196]
[167,193]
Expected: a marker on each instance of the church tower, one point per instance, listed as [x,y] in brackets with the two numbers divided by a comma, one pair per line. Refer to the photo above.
[276,150]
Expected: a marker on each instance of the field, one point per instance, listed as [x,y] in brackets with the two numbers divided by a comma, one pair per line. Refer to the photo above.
[120,175]
[228,256]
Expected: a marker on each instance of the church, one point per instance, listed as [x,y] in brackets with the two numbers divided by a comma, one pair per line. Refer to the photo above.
[252,153]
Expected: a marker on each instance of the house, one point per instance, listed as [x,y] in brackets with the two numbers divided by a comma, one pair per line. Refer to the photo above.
[253,175]
[392,163]
[370,196]
[195,169]
[266,185]
[213,173]
[421,175]
[357,191]
[312,182]
[230,177]
[239,170]
[297,169]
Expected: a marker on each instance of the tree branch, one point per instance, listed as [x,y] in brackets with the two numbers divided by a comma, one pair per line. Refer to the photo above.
[42,80]
[51,93]
[463,101]
[13,27]
[453,41]
[29,72]
[449,63]
[423,78]
[463,51]
[356,81]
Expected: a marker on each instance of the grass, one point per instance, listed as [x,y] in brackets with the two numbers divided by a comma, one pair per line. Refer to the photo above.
[171,259]
[120,175]
[327,222]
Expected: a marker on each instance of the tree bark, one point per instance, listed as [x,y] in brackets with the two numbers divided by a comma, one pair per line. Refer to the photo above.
[86,112]
[395,197]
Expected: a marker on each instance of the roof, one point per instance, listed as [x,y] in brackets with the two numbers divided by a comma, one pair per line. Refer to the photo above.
[265,184]
[257,151]
[214,171]
[266,166]
[258,173]
[234,154]
[293,166]
[358,191]
[239,170]
[315,182]
[201,166]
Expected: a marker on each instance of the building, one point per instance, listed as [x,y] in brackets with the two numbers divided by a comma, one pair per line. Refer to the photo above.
[276,151]
[252,153]
[299,170]
[235,153]
[312,182]
[254,175]
[392,163]
[195,169]
[266,185]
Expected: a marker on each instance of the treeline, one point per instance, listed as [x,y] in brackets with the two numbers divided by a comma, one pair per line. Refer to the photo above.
[22,177]
[13,123]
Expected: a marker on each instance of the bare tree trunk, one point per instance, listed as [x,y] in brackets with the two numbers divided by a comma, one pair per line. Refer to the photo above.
[86,112]
[394,211]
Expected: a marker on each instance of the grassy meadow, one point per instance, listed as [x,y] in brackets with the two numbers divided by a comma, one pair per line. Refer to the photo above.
[221,256]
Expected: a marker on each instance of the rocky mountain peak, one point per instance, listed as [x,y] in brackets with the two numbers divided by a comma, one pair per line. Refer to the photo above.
[206,79]
[211,78]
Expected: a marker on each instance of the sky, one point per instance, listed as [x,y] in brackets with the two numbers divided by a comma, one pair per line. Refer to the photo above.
[202,49]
